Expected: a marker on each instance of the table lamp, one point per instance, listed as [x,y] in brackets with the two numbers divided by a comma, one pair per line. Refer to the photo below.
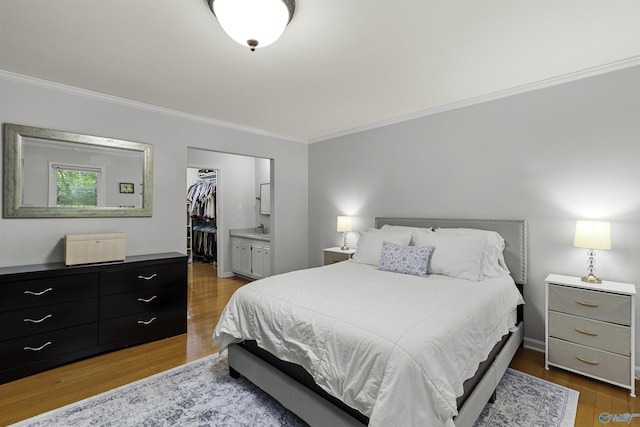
[592,235]
[344,226]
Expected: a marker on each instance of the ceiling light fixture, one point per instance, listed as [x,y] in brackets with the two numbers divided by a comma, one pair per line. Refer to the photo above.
[253,23]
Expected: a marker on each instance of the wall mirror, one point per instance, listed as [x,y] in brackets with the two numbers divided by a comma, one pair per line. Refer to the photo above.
[265,199]
[49,173]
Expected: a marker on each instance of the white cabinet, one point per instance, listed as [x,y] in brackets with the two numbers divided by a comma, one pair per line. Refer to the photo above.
[251,258]
[267,261]
[245,258]
[590,329]
[257,260]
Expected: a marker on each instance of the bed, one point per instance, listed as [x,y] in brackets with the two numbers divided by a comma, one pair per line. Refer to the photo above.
[369,342]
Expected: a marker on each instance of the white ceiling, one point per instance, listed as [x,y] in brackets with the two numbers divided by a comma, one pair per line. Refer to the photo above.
[340,65]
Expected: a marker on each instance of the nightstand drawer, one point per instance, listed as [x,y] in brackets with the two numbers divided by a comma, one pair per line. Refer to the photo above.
[333,257]
[604,306]
[591,333]
[603,364]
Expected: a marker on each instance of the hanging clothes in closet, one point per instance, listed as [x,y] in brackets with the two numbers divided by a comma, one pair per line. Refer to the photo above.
[201,199]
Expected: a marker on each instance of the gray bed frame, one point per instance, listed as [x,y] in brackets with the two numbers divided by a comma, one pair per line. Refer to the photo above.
[317,411]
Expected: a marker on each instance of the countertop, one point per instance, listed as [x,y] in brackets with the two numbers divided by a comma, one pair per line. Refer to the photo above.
[250,234]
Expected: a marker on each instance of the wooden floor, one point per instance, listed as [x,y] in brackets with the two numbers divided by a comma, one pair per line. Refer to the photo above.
[208,295]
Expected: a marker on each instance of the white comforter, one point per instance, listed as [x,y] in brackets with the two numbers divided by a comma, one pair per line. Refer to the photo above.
[395,347]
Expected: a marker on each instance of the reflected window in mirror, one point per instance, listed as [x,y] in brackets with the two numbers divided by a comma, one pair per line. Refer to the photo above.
[76,185]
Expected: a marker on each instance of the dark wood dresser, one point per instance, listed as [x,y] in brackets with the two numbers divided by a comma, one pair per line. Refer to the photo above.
[51,314]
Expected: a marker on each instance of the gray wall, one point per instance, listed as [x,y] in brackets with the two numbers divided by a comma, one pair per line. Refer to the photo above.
[550,157]
[34,103]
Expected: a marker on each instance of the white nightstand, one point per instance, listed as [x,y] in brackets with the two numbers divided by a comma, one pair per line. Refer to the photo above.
[590,329]
[333,255]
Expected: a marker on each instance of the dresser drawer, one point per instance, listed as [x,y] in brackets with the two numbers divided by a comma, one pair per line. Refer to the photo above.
[143,300]
[603,364]
[151,276]
[31,293]
[604,306]
[591,333]
[51,344]
[37,320]
[146,326]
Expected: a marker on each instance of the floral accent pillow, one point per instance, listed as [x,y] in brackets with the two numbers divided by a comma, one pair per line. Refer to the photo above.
[405,259]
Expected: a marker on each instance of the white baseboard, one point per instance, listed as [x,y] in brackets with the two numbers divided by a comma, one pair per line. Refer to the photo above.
[532,344]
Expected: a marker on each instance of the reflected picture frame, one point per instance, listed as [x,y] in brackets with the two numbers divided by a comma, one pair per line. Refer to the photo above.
[126,187]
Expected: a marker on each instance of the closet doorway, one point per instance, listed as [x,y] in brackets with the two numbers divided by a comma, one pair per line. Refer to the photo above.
[239,180]
[202,215]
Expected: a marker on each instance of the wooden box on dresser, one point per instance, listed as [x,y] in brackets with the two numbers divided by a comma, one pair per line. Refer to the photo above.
[52,315]
[590,329]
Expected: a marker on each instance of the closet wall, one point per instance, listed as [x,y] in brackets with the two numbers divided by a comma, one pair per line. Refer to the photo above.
[236,196]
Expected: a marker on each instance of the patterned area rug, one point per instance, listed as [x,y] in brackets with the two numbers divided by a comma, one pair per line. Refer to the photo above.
[201,393]
[523,400]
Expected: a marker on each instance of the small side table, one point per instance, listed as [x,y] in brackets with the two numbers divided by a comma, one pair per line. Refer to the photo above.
[333,255]
[590,329]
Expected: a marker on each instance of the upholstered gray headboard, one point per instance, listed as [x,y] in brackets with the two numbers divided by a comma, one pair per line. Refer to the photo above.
[514,233]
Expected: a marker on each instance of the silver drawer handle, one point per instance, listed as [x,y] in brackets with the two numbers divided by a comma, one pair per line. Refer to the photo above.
[587,304]
[38,321]
[590,362]
[148,277]
[39,348]
[142,322]
[148,300]
[38,293]
[582,331]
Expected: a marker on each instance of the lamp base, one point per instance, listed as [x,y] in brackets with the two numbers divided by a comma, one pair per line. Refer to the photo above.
[344,248]
[591,278]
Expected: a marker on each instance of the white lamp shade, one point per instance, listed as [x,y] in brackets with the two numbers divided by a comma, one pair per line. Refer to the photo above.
[344,224]
[593,235]
[261,20]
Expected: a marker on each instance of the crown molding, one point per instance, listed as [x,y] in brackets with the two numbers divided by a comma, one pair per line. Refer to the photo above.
[542,84]
[34,81]
[566,78]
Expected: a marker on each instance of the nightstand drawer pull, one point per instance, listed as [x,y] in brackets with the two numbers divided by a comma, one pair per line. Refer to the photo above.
[582,331]
[148,277]
[148,299]
[588,304]
[590,362]
[148,322]
[38,348]
[38,293]
[38,321]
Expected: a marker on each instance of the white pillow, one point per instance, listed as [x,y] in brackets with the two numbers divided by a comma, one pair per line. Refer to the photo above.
[370,244]
[404,228]
[493,263]
[454,255]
